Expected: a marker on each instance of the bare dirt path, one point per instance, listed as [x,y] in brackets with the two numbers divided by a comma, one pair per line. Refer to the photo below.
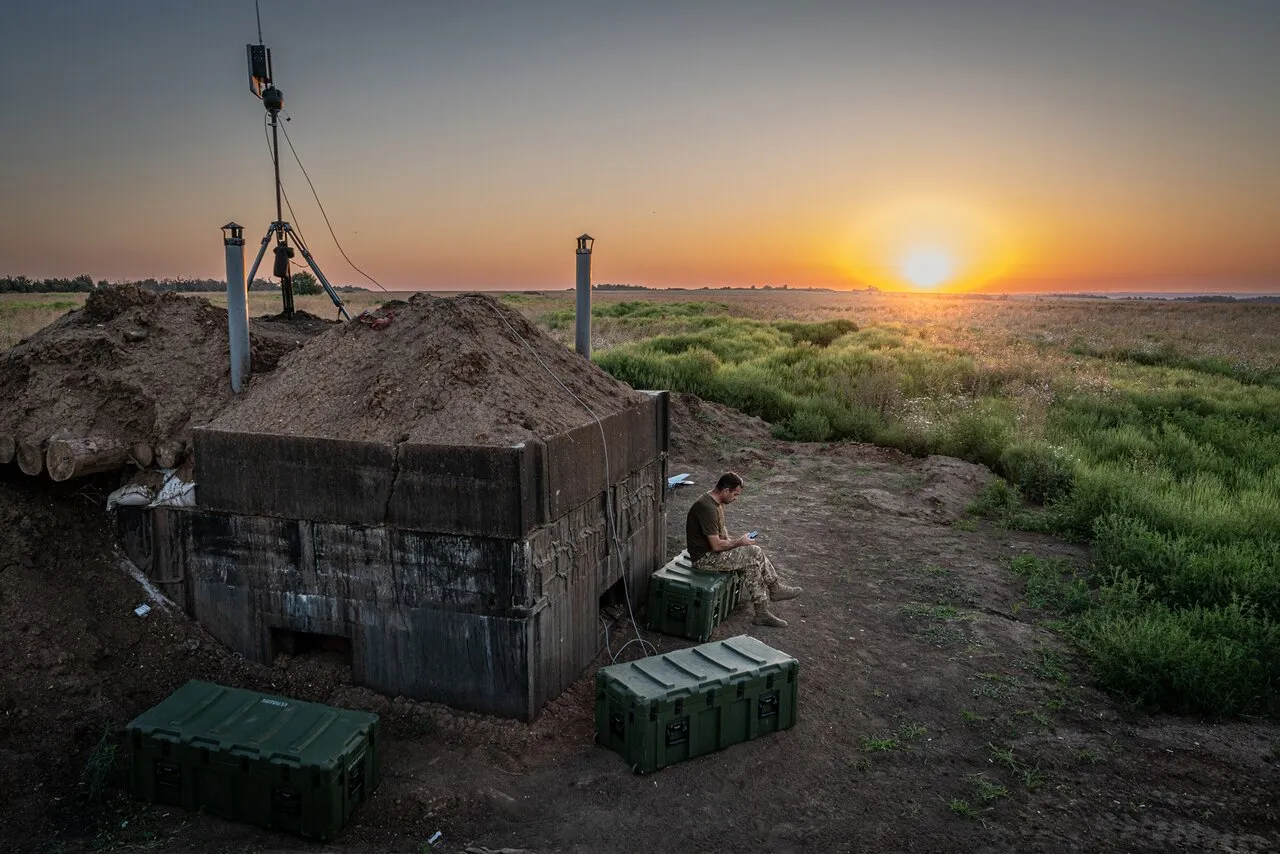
[937,711]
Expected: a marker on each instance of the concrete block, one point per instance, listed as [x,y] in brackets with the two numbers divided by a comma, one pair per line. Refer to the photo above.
[482,490]
[327,480]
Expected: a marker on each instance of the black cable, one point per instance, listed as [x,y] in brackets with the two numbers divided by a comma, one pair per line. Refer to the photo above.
[608,504]
[336,242]
[302,239]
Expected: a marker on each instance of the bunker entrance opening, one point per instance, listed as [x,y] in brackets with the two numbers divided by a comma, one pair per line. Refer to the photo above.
[289,642]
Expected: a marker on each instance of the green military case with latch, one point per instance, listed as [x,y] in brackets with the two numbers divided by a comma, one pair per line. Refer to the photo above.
[688,603]
[271,761]
[667,708]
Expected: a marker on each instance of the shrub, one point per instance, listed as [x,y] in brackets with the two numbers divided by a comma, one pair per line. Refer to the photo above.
[819,334]
[1215,661]
[976,436]
[1044,473]
[1053,584]
[806,425]
[304,284]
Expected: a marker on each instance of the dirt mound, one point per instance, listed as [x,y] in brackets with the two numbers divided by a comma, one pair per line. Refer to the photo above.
[132,366]
[451,371]
[708,434]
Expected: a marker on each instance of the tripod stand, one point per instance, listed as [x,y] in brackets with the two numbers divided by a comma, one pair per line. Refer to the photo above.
[283,252]
[273,101]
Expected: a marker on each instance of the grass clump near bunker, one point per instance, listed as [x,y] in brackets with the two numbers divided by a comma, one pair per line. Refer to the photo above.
[1169,466]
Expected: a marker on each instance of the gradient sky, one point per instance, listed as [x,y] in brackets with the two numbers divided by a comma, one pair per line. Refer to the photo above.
[998,144]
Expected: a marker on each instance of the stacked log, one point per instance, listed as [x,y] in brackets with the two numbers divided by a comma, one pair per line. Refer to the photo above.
[169,453]
[141,454]
[31,456]
[68,458]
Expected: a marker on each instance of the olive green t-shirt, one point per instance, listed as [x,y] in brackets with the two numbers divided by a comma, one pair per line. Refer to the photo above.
[706,519]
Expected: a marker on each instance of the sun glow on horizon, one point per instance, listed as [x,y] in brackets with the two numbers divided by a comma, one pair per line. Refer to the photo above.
[927,267]
[928,243]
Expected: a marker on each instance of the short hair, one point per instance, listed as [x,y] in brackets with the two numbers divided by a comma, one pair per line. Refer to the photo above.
[728,480]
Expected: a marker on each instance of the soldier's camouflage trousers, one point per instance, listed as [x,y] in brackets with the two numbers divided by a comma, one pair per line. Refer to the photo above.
[758,574]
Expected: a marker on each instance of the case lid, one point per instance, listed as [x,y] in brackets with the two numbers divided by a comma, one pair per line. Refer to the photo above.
[251,725]
[680,571]
[696,669]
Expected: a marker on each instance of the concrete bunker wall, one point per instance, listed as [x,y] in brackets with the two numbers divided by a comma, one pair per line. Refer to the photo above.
[468,576]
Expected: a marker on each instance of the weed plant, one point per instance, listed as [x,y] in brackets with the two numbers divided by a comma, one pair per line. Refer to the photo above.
[100,768]
[1167,460]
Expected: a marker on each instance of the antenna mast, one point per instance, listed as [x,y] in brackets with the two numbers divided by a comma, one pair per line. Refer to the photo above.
[262,87]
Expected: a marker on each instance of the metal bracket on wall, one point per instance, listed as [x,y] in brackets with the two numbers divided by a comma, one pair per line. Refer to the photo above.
[540,604]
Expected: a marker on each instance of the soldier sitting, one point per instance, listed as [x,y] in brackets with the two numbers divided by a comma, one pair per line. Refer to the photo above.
[711,550]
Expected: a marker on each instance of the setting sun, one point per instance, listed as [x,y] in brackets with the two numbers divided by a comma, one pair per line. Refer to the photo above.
[927,267]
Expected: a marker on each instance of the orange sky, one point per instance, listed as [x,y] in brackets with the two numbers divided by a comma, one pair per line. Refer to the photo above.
[1002,146]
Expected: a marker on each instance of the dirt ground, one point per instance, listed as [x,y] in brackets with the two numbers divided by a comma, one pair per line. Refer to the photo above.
[938,712]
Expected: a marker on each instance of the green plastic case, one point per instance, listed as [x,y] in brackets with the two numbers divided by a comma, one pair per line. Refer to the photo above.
[271,761]
[667,708]
[688,603]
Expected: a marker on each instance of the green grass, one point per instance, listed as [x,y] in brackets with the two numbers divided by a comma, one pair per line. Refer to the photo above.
[878,744]
[15,306]
[1026,774]
[963,808]
[1166,459]
[985,790]
[99,769]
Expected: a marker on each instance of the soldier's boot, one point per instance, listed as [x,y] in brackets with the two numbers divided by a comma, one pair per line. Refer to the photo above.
[781,592]
[764,618]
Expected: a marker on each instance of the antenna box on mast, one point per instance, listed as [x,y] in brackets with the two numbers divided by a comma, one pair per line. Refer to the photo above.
[259,67]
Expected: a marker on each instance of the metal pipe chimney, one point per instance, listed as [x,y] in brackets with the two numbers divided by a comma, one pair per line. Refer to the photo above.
[237,306]
[582,315]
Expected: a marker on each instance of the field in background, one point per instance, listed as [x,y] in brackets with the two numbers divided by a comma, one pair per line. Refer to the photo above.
[1150,429]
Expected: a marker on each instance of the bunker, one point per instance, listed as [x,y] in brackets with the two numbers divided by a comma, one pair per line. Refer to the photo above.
[446,498]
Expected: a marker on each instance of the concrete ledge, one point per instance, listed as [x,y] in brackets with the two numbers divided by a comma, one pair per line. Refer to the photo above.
[576,460]
[294,477]
[483,490]
[475,490]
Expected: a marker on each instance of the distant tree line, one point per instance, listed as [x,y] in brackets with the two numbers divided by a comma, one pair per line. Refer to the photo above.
[84,283]
[23,285]
[616,286]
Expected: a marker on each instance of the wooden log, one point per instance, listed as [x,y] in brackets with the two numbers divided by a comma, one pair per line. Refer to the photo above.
[169,453]
[8,447]
[68,458]
[31,456]
[141,454]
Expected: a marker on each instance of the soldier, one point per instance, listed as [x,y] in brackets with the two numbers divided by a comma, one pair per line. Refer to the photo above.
[711,550]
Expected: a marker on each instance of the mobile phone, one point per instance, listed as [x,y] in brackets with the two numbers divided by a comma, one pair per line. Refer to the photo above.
[751,536]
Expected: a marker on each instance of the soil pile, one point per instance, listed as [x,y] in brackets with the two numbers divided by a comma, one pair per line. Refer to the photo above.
[463,370]
[132,367]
